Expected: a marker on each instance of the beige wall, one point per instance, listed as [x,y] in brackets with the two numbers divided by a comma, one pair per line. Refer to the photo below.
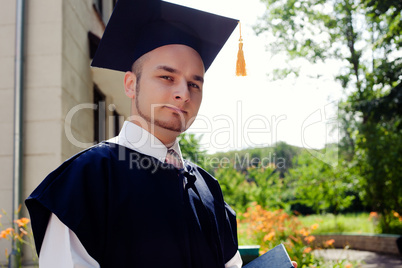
[7,36]
[42,86]
[76,80]
[57,79]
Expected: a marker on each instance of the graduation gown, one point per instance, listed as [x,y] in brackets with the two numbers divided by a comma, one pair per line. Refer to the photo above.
[130,210]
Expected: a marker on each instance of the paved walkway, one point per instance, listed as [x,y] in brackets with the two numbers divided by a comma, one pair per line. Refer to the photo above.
[368,259]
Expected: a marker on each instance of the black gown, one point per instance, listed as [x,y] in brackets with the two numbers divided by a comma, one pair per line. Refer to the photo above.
[131,210]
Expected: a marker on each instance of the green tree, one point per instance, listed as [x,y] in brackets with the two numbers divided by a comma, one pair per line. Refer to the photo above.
[379,139]
[323,187]
[366,36]
[191,149]
[235,188]
[284,154]
[260,185]
[267,189]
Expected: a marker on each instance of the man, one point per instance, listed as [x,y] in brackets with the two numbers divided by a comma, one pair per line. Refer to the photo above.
[132,201]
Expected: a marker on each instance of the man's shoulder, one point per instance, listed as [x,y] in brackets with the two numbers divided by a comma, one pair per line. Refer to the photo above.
[100,150]
[96,155]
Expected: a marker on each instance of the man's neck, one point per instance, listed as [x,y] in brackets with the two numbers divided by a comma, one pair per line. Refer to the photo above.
[166,136]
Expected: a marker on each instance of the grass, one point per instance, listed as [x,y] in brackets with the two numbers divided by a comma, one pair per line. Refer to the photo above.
[243,238]
[359,223]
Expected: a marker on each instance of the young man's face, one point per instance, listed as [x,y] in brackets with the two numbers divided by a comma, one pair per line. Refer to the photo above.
[169,92]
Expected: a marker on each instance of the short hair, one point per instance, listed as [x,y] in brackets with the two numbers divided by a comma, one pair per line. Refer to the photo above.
[137,66]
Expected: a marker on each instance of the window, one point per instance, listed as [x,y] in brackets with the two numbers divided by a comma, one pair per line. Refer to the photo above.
[93,44]
[99,115]
[117,118]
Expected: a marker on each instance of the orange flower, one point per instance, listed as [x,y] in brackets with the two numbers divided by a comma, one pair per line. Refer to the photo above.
[396,214]
[3,234]
[23,231]
[296,239]
[314,226]
[307,250]
[22,222]
[269,236]
[6,232]
[373,214]
[348,265]
[309,239]
[304,232]
[329,242]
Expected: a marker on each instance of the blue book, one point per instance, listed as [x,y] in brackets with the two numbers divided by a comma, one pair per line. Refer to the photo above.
[274,258]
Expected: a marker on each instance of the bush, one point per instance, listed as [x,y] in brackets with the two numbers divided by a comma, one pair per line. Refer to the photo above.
[260,185]
[21,236]
[270,228]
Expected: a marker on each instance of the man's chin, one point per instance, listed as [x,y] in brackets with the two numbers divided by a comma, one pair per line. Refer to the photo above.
[174,127]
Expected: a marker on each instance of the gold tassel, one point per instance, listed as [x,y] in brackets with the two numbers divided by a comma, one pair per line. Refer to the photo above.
[241,63]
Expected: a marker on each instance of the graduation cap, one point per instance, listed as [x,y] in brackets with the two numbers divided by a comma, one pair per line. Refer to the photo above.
[140,26]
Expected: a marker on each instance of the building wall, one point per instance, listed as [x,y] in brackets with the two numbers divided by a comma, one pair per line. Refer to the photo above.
[7,36]
[42,87]
[76,80]
[79,18]
[58,81]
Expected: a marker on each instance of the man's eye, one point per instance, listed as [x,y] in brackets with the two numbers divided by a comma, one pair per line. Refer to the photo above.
[193,85]
[166,77]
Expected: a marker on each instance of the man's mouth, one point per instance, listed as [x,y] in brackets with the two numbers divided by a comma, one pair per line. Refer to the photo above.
[176,109]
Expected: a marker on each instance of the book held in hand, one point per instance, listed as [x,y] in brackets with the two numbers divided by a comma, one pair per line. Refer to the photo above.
[274,258]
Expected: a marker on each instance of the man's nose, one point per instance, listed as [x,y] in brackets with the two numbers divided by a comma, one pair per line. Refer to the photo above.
[181,92]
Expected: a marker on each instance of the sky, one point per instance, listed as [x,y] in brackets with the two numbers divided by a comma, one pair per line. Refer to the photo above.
[255,111]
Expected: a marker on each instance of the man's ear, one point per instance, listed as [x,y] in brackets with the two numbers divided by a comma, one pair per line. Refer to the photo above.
[130,83]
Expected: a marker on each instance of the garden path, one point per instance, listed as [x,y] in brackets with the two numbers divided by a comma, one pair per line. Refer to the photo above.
[369,259]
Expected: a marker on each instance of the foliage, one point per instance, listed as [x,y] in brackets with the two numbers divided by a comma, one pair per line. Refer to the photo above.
[270,228]
[380,161]
[394,222]
[303,29]
[284,154]
[361,223]
[235,188]
[308,181]
[321,186]
[364,35]
[190,148]
[22,236]
[279,156]
[260,185]
[267,188]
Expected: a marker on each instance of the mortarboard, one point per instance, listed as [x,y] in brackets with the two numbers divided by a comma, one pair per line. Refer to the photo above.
[139,26]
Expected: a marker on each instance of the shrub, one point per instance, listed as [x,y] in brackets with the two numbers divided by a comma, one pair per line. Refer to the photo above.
[270,228]
[21,236]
